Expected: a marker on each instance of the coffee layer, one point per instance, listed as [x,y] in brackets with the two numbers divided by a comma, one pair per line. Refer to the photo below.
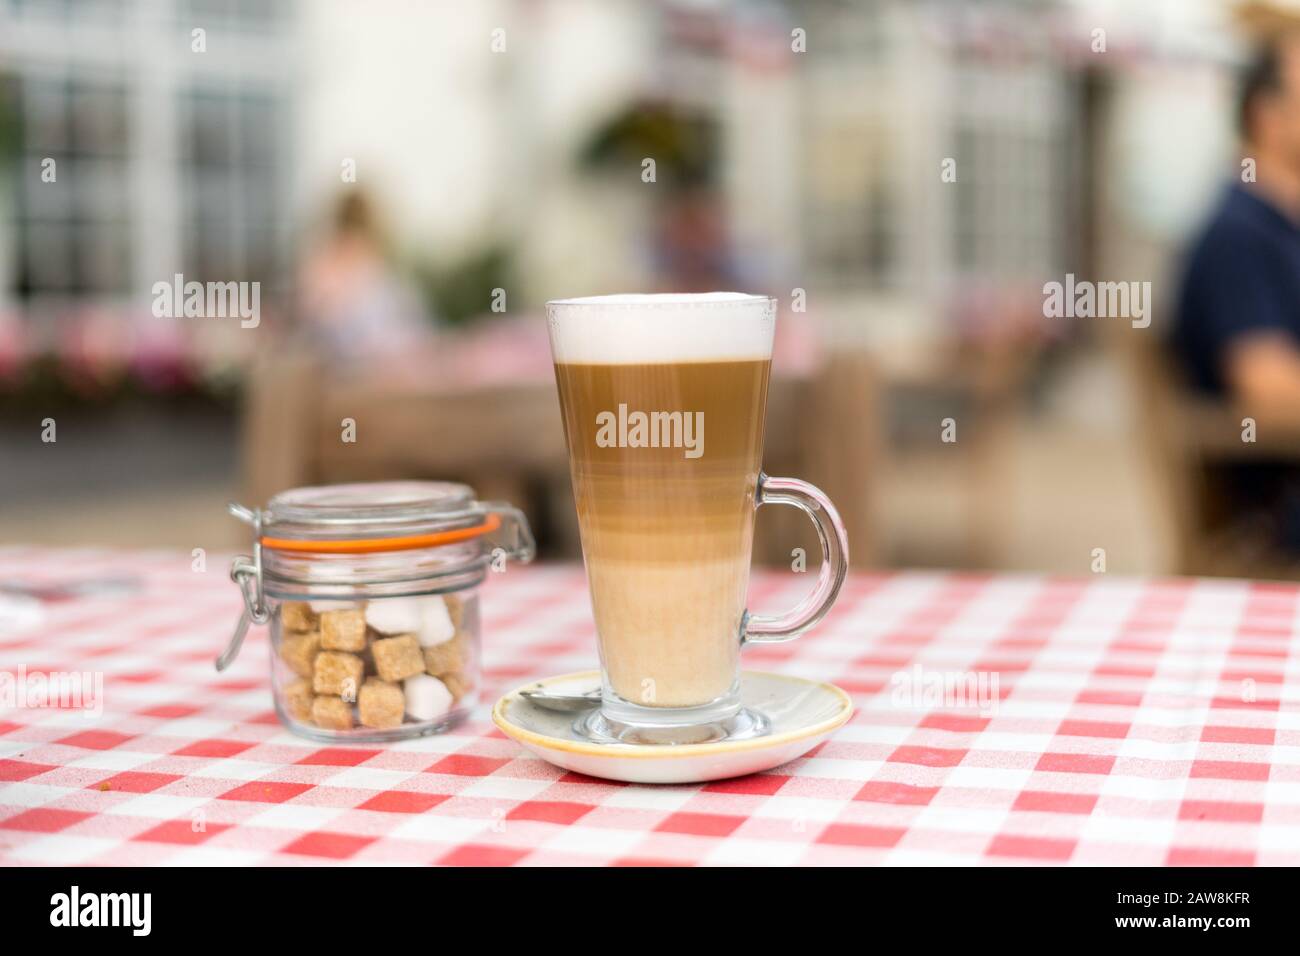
[666,537]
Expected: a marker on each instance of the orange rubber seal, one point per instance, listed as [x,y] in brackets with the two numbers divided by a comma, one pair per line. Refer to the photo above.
[374,545]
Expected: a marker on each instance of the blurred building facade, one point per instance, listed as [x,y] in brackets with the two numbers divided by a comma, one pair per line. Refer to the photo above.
[173,145]
[215,163]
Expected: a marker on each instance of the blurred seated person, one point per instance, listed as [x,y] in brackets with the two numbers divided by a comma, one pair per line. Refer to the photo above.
[691,246]
[1237,326]
[356,309]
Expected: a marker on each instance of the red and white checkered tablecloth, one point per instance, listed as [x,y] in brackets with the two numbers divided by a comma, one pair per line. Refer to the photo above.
[1138,722]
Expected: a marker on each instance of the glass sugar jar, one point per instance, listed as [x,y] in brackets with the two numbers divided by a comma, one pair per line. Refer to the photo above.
[371,592]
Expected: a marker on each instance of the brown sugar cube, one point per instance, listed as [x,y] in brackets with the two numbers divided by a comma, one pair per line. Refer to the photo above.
[332,713]
[299,651]
[297,699]
[455,609]
[397,658]
[368,655]
[343,630]
[381,704]
[447,657]
[297,616]
[458,684]
[338,673]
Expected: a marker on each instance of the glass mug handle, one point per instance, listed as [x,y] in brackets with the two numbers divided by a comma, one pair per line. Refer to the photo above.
[774,628]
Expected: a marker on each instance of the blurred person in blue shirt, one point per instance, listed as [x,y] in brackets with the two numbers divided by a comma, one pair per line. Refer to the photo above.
[1237,324]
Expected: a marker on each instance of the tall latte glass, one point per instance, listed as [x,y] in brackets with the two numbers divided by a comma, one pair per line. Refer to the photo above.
[663,399]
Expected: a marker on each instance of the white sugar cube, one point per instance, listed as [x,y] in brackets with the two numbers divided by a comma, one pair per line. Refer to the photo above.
[396,615]
[427,698]
[436,626]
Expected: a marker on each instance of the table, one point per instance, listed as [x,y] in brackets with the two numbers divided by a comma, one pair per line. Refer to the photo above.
[1136,722]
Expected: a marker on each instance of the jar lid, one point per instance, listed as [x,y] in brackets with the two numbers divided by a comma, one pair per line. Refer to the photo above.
[368,517]
[386,538]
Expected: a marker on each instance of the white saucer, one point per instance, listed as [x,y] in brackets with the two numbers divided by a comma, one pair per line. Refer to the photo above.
[803,714]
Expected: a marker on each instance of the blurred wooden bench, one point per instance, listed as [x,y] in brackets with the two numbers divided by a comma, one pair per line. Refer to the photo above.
[1190,438]
[507,441]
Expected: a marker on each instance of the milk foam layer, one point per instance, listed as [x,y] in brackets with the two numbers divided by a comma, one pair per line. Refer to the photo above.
[634,329]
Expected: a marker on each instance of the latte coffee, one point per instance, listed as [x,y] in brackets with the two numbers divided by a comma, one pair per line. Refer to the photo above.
[664,424]
[667,537]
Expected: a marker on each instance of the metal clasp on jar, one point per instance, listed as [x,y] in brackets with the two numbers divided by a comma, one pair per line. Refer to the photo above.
[247,573]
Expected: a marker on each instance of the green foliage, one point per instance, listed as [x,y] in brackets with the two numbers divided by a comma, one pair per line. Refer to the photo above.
[10,132]
[461,292]
[683,146]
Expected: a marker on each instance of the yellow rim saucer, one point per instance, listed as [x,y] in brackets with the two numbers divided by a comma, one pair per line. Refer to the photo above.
[836,700]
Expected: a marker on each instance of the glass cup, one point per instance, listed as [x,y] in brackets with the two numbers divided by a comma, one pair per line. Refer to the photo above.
[663,399]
